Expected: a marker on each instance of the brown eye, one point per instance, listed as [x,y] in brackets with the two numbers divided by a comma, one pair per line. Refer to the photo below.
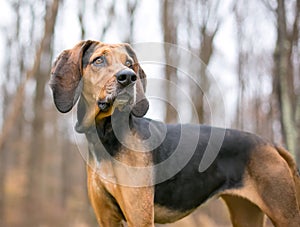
[128,63]
[98,61]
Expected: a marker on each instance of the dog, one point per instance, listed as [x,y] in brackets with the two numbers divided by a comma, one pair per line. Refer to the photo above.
[143,171]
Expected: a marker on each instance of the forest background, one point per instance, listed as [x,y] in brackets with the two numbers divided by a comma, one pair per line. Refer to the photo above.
[250,50]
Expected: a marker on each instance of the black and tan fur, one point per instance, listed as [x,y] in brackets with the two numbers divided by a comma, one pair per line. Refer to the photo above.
[253,176]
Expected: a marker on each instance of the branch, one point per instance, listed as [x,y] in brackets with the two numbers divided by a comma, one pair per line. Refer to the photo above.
[269,6]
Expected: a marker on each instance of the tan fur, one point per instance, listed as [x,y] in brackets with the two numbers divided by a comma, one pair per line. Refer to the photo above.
[243,213]
[267,179]
[165,215]
[291,162]
[136,203]
[122,177]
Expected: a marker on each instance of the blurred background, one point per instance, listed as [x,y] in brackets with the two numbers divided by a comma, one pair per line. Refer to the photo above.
[251,50]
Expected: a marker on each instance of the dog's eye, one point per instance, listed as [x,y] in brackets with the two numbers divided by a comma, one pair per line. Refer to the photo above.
[128,63]
[98,60]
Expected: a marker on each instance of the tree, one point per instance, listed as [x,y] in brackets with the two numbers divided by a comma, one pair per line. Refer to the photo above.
[169,21]
[41,75]
[284,74]
[208,24]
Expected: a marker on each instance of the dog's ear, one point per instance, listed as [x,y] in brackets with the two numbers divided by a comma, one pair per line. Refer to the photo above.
[66,75]
[141,105]
[142,76]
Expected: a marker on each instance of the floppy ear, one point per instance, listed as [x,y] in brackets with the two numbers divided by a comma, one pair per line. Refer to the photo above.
[142,76]
[66,75]
[141,105]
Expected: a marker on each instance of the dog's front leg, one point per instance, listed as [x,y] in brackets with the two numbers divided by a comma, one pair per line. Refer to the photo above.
[135,189]
[106,211]
[137,204]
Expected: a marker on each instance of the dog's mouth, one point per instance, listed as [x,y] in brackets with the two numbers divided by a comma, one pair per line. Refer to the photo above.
[104,106]
[123,101]
[120,101]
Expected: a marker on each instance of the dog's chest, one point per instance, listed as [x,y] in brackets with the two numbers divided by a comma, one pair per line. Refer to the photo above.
[166,215]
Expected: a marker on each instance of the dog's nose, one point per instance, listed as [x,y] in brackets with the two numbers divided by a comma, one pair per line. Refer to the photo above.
[126,77]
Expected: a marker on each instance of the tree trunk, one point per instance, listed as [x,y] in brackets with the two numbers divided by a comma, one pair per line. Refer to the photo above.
[170,37]
[205,54]
[131,8]
[36,156]
[206,28]
[282,62]
[295,38]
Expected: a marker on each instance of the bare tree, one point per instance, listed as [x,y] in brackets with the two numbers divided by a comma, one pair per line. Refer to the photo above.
[131,9]
[41,75]
[209,24]
[170,37]
[284,73]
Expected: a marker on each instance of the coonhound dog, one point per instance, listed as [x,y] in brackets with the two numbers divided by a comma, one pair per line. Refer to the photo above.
[143,171]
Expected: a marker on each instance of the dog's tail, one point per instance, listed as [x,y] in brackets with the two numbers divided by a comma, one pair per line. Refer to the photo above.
[293,167]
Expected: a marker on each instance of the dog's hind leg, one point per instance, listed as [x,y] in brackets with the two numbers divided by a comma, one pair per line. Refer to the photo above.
[293,167]
[243,213]
[271,179]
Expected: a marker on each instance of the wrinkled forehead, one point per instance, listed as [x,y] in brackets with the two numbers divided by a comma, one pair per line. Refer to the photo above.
[112,51]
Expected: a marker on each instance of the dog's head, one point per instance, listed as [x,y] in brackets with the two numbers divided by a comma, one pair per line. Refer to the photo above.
[103,76]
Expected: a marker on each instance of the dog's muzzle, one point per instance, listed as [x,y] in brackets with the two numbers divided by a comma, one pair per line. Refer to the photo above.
[125,96]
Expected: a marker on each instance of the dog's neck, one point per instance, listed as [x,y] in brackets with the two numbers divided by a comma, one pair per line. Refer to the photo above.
[118,125]
[104,137]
